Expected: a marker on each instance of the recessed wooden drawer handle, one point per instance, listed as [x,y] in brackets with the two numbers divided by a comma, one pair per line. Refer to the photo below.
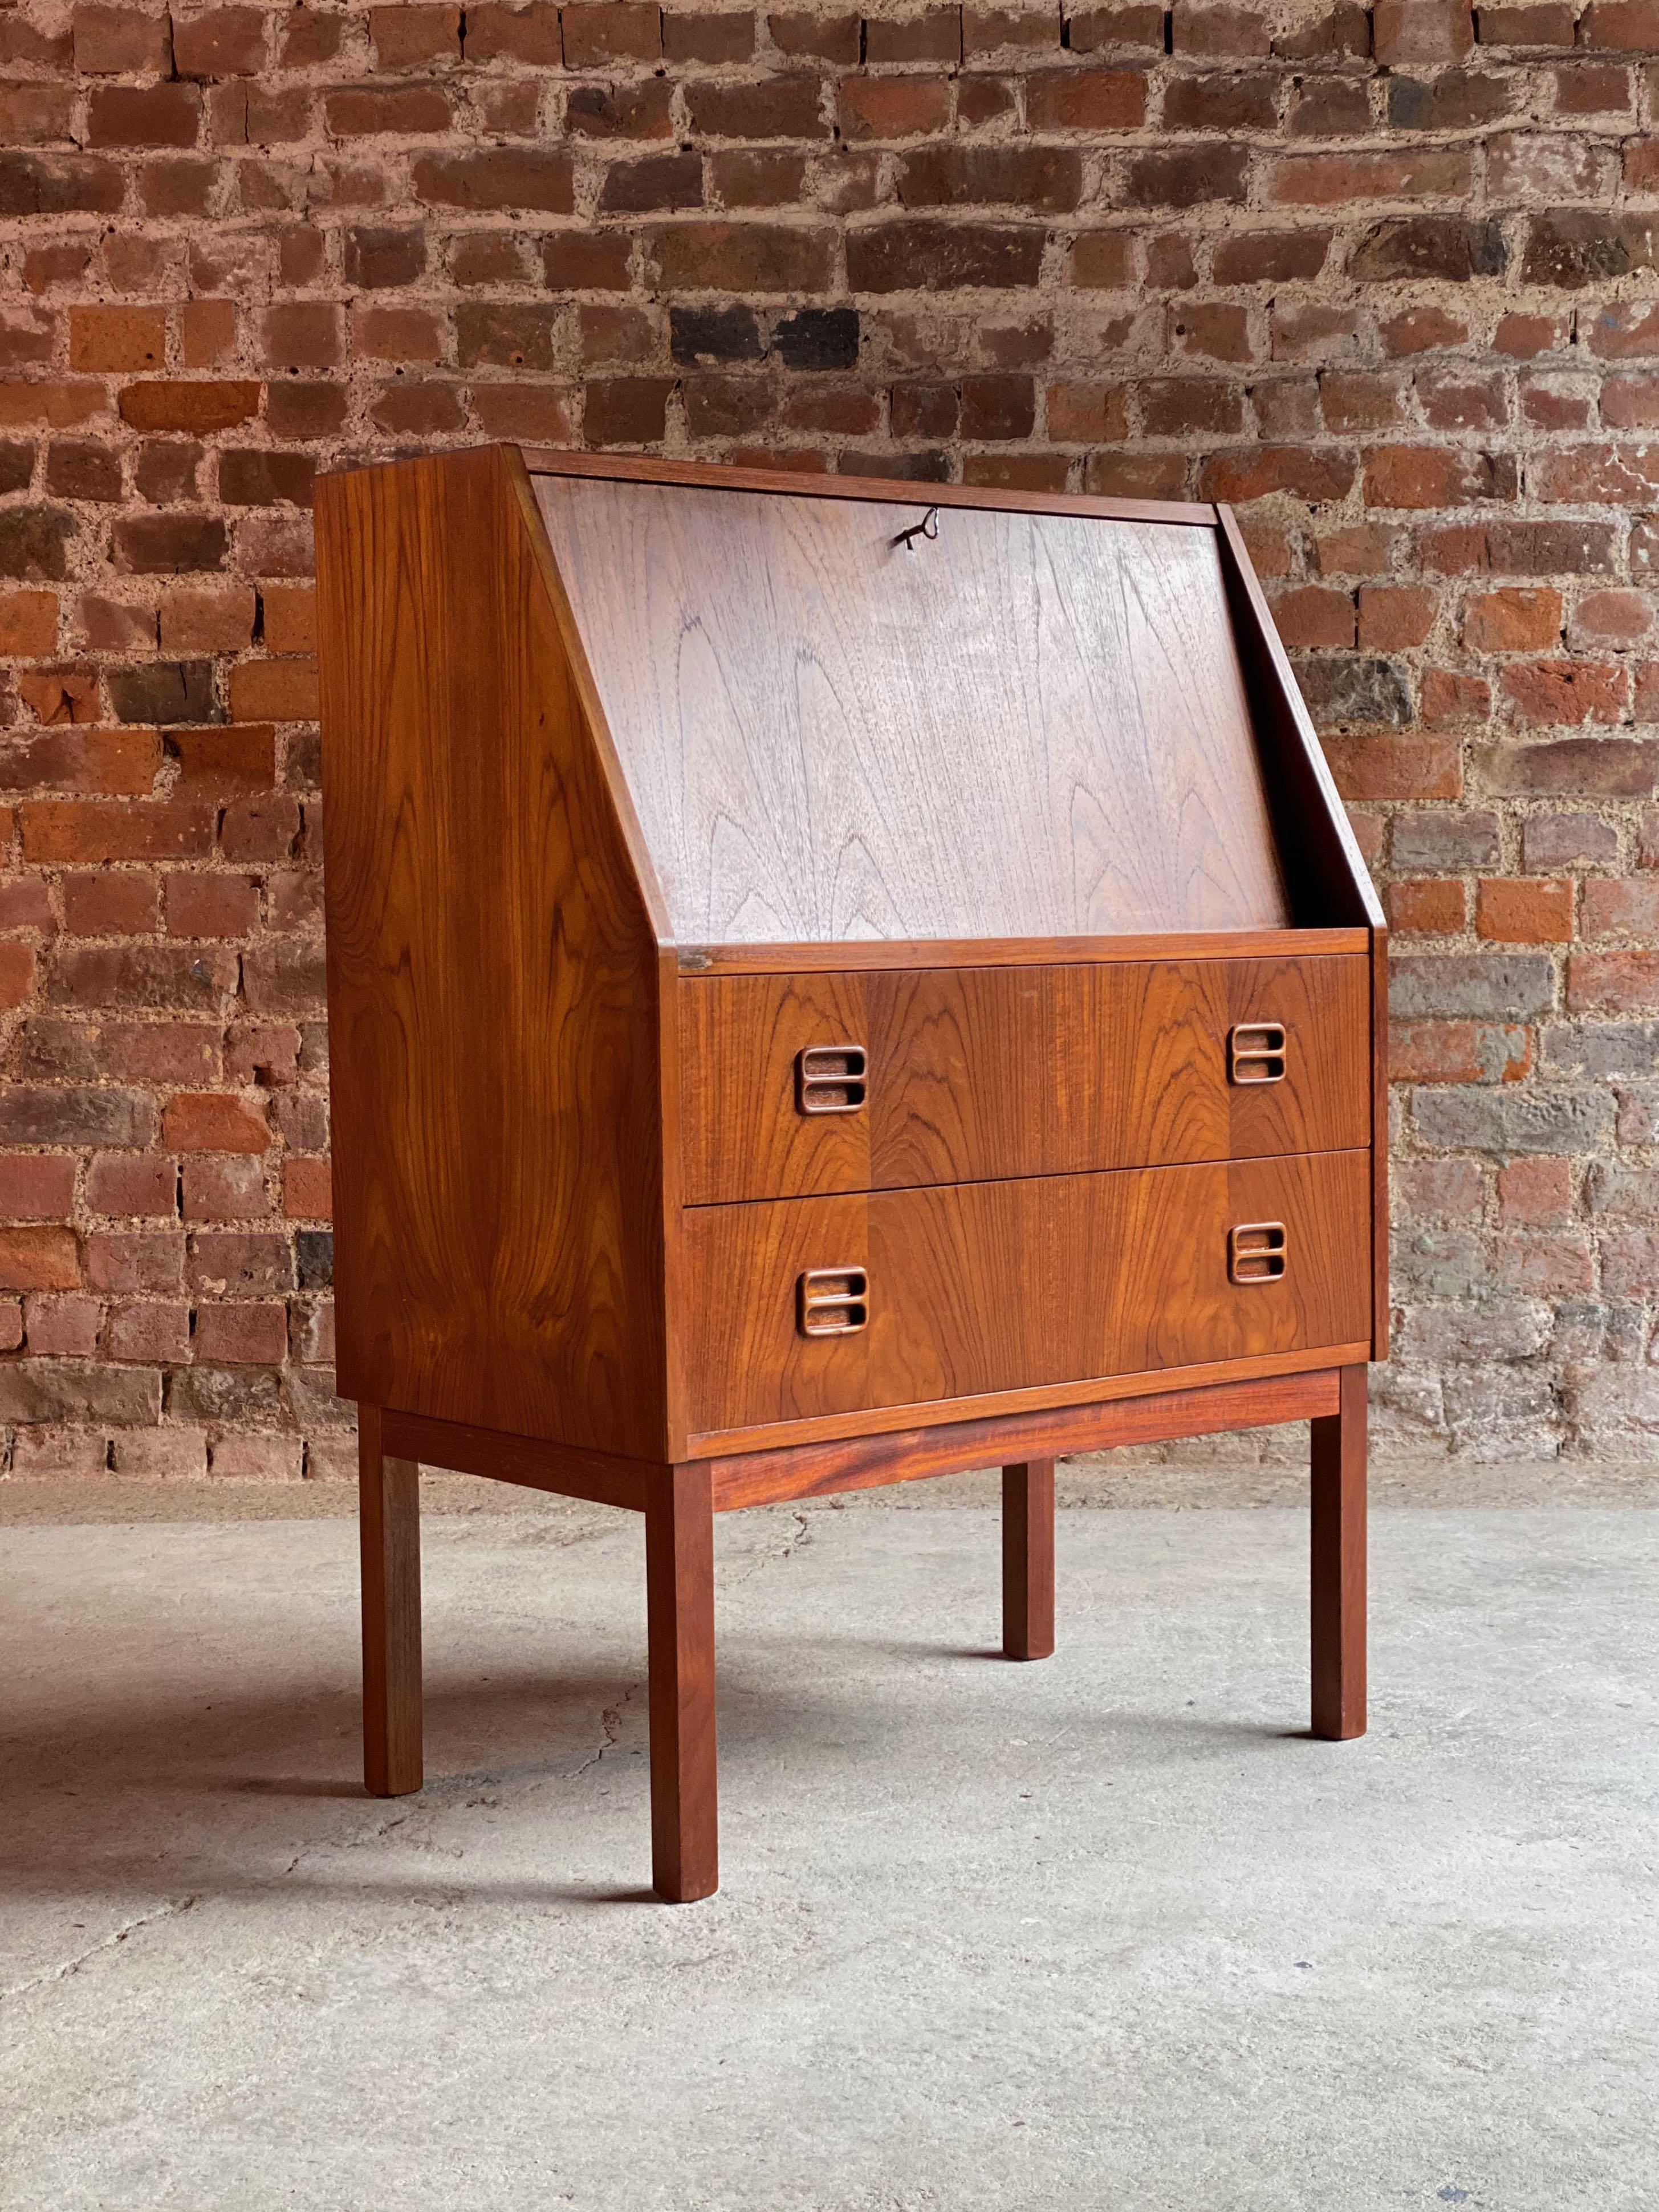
[1257,1252]
[832,1301]
[1256,1052]
[831,1078]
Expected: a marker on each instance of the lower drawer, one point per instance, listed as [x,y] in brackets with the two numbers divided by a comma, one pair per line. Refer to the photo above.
[970,1288]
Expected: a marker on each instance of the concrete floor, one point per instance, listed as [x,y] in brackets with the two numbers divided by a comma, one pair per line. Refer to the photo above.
[1108,1931]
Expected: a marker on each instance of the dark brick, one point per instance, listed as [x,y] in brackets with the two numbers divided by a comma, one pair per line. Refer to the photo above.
[376,259]
[75,470]
[255,475]
[34,542]
[168,545]
[698,334]
[1046,179]
[939,256]
[1448,247]
[1189,178]
[1571,248]
[659,180]
[58,184]
[817,337]
[1460,99]
[164,691]
[313,1254]
[1355,691]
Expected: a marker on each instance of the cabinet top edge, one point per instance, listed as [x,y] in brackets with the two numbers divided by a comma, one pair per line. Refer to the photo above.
[693,960]
[713,476]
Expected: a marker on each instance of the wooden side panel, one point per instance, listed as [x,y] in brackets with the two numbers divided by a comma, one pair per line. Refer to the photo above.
[1379,1144]
[998,1286]
[492,982]
[1028,725]
[1324,872]
[988,1073]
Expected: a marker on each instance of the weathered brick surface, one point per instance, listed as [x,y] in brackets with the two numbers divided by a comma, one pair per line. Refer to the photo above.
[1386,278]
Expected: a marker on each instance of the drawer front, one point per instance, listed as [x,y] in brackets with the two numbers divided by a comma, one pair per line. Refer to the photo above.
[967,1289]
[973,1073]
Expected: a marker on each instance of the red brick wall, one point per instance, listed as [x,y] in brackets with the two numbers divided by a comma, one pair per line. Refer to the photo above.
[1385,278]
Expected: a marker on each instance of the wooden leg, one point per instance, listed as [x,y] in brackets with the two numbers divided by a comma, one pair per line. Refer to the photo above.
[679,1586]
[1028,1559]
[1339,1564]
[389,1498]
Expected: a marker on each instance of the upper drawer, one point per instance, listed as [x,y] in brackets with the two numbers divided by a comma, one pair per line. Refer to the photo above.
[971,1073]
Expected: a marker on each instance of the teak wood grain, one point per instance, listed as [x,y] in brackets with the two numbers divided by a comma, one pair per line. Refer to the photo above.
[787,483]
[775,959]
[988,1287]
[492,982]
[644,775]
[389,1549]
[1338,1446]
[978,1073]
[1028,1559]
[1036,725]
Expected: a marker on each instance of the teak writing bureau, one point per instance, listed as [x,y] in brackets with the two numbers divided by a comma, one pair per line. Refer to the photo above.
[830,981]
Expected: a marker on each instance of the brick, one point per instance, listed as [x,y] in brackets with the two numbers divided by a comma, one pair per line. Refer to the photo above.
[1434,908]
[1282,257]
[1516,911]
[1509,1119]
[1258,472]
[529,34]
[118,41]
[39,1259]
[1607,767]
[1192,176]
[75,1390]
[1514,620]
[406,37]
[307,1194]
[1436,476]
[742,257]
[1621,907]
[1565,691]
[220,42]
[1395,617]
[1331,179]
[1313,615]
[1624,982]
[1388,767]
[1458,1052]
[874,107]
[532,179]
[36,1187]
[1096,100]
[124,116]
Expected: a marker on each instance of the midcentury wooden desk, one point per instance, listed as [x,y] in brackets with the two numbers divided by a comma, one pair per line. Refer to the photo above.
[830,982]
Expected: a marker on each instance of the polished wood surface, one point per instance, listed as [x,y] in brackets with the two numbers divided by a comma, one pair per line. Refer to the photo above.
[1036,725]
[389,1547]
[1028,1559]
[765,1477]
[995,1286]
[492,982]
[984,1073]
[679,1588]
[1379,1144]
[788,483]
[1338,1563]
[1324,872]
[1015,951]
[603,1479]
[646,779]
